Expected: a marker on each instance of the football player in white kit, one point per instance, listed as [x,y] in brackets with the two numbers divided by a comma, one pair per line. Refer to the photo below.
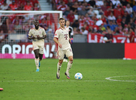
[61,37]
[37,35]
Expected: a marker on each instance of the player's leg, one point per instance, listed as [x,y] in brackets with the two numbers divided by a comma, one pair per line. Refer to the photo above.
[69,54]
[40,58]
[36,52]
[60,56]
[41,48]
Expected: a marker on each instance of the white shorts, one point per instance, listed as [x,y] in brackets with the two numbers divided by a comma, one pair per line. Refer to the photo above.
[38,45]
[67,52]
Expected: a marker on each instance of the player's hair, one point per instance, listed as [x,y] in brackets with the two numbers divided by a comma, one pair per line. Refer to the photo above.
[61,19]
[67,21]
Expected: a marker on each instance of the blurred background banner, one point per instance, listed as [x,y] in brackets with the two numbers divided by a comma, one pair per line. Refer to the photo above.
[98,38]
[24,50]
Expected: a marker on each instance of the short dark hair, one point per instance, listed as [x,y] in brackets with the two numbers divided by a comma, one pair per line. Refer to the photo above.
[61,19]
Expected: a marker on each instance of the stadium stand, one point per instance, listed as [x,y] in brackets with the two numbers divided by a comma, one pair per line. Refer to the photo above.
[120,15]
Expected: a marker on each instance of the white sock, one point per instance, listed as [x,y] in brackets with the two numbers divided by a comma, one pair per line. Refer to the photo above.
[69,65]
[37,63]
[58,68]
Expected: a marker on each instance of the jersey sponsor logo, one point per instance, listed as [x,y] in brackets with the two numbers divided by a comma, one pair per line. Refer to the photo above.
[55,34]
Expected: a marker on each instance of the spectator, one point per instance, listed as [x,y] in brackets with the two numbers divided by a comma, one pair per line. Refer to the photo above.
[134,8]
[83,11]
[119,19]
[75,24]
[108,35]
[36,2]
[101,29]
[77,31]
[70,3]
[36,7]
[104,7]
[74,6]
[92,3]
[18,27]
[124,2]
[4,6]
[118,11]
[83,31]
[50,36]
[111,17]
[86,6]
[127,16]
[110,9]
[103,18]
[125,30]
[43,24]
[131,35]
[110,24]
[115,2]
[129,9]
[13,6]
[108,2]
[1,2]
[62,7]
[48,21]
[71,17]
[9,2]
[28,6]
[132,24]
[120,28]
[99,3]
[66,12]
[90,12]
[79,6]
[4,23]
[123,22]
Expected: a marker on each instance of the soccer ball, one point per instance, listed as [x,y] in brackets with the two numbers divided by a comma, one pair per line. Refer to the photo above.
[78,76]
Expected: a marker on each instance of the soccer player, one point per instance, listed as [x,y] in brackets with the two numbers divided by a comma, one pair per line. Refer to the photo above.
[61,37]
[37,35]
[70,30]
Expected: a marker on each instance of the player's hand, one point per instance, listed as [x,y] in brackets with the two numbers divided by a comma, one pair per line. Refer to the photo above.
[33,37]
[38,37]
[59,45]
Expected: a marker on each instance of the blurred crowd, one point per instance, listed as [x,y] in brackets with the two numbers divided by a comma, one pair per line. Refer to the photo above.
[93,16]
[20,23]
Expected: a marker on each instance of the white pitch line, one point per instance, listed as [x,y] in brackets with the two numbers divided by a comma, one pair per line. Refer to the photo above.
[110,78]
[55,81]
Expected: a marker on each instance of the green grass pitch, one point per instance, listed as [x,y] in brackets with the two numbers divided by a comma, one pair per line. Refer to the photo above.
[20,81]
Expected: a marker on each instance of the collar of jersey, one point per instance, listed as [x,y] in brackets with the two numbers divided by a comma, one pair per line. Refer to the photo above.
[62,28]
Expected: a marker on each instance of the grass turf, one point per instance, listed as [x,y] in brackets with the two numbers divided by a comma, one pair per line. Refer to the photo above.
[20,81]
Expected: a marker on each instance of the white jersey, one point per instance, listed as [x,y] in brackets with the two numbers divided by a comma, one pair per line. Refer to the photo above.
[63,38]
[40,32]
